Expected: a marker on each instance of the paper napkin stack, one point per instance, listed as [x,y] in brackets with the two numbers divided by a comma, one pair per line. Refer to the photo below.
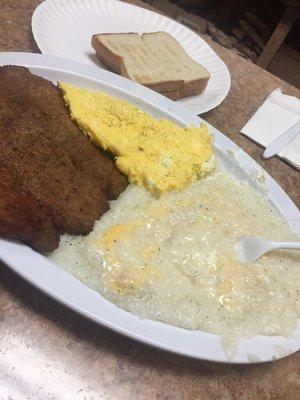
[276,115]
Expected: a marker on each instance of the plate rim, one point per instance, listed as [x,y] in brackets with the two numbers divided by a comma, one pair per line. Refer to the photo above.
[60,64]
[35,31]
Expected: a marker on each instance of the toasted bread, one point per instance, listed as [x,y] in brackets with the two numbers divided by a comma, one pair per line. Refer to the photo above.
[155,60]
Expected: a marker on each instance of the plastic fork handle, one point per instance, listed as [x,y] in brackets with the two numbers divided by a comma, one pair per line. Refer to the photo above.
[282,141]
[285,245]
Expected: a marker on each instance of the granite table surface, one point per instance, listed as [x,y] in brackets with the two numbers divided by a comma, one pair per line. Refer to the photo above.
[49,352]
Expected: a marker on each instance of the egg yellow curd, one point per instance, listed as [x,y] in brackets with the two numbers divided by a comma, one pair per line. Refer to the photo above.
[153,153]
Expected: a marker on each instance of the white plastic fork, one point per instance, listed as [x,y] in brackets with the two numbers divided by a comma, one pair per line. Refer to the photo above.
[251,248]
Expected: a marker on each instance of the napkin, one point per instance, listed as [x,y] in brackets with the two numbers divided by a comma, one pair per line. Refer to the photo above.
[276,115]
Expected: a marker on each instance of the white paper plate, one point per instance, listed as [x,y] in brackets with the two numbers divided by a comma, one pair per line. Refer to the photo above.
[64,28]
[65,288]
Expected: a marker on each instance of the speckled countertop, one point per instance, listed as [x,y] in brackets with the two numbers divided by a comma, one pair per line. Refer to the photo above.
[49,352]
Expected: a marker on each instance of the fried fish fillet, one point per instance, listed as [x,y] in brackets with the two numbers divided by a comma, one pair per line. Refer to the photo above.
[23,218]
[48,161]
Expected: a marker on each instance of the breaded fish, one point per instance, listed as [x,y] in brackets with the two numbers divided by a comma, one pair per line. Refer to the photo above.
[23,218]
[48,158]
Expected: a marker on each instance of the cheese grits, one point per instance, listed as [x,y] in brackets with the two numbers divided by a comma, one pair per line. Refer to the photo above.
[172,259]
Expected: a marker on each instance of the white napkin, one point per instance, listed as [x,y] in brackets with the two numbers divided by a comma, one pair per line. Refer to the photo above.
[276,115]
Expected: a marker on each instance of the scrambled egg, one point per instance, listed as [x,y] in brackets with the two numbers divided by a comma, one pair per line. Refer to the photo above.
[153,153]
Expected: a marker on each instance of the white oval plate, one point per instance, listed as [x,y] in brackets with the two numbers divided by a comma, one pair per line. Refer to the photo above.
[64,28]
[58,284]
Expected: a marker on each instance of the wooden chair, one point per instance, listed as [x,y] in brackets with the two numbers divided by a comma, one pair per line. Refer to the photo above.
[280,33]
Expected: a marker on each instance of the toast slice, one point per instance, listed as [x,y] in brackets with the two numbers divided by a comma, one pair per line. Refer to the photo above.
[173,95]
[155,60]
